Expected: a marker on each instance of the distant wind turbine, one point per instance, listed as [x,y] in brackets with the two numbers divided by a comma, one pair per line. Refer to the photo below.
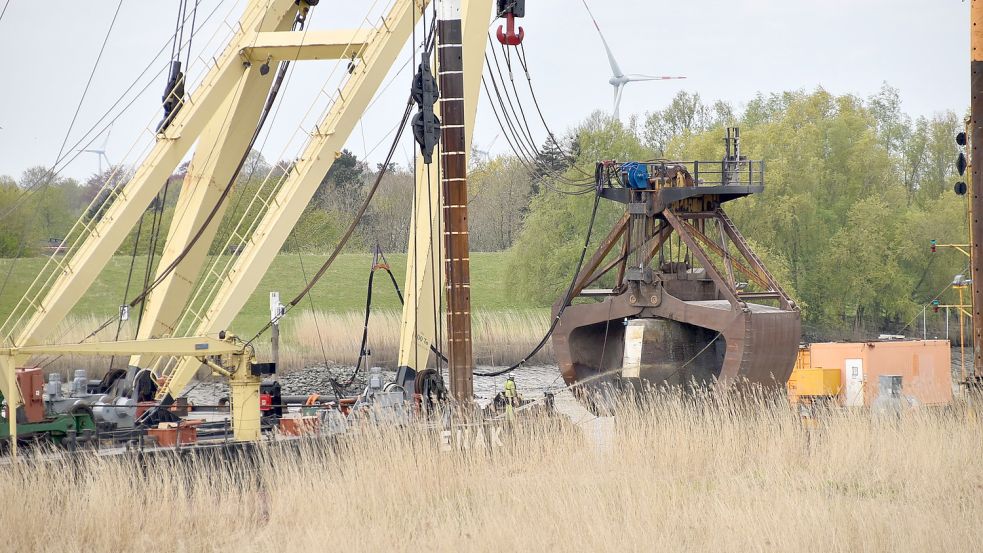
[618,78]
[101,151]
[484,155]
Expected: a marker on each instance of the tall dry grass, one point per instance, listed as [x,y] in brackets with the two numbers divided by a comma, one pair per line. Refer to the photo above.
[500,338]
[727,474]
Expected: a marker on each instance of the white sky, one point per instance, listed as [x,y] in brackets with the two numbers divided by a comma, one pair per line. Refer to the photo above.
[728,49]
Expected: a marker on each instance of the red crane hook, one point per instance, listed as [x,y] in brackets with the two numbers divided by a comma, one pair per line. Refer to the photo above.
[508,37]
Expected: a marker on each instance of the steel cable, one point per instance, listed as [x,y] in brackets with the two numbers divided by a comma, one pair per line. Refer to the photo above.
[567,298]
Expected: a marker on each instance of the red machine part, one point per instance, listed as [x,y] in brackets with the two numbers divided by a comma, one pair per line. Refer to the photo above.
[508,35]
[31,384]
[265,402]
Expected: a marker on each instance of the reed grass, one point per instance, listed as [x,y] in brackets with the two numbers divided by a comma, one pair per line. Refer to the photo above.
[724,473]
[313,338]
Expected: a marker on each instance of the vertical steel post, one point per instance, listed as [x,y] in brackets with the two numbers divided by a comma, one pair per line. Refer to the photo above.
[924,324]
[962,339]
[976,182]
[8,364]
[454,185]
[275,313]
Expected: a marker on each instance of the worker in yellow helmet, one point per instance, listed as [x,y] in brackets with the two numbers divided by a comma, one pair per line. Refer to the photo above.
[511,397]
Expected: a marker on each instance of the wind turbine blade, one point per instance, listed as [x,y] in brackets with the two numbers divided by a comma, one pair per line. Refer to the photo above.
[618,89]
[637,77]
[105,140]
[614,64]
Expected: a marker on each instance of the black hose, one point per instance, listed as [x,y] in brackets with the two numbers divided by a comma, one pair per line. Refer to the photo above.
[566,298]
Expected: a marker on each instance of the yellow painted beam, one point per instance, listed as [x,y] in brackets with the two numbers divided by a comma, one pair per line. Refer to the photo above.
[244,402]
[294,195]
[307,45]
[104,238]
[417,327]
[219,150]
[192,346]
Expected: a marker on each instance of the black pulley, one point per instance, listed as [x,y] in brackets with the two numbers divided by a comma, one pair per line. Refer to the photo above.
[430,385]
[173,97]
[960,188]
[426,125]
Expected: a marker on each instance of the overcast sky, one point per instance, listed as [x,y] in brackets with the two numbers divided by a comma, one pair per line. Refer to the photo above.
[728,49]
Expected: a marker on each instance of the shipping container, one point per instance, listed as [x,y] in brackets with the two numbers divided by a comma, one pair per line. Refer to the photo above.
[924,366]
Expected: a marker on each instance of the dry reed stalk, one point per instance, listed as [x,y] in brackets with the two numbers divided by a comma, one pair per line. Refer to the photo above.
[730,474]
[309,338]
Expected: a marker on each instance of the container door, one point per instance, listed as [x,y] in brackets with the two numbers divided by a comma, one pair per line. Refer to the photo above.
[854,383]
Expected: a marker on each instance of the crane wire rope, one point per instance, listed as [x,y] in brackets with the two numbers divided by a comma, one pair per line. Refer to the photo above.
[530,147]
[567,298]
[92,74]
[55,170]
[508,129]
[343,241]
[68,133]
[129,280]
[532,93]
[437,262]
[250,226]
[317,327]
[271,97]
[414,201]
[362,352]
[81,143]
[52,173]
[527,159]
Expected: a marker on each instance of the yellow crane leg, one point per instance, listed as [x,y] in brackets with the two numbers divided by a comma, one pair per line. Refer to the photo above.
[244,402]
[11,393]
[295,193]
[417,327]
[216,157]
[104,237]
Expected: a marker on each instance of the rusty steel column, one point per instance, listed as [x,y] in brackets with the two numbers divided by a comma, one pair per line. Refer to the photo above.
[976,182]
[454,185]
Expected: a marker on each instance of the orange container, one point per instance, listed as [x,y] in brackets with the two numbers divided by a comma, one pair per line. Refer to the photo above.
[299,426]
[924,367]
[170,434]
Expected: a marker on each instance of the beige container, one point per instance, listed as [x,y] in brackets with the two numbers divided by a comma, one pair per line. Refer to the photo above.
[924,365]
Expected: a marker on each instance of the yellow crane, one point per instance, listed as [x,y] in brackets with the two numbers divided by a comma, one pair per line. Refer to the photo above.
[219,117]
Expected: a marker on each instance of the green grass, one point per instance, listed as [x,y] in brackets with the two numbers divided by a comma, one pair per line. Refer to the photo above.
[341,289]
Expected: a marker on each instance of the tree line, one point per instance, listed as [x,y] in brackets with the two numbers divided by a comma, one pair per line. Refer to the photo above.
[855,190]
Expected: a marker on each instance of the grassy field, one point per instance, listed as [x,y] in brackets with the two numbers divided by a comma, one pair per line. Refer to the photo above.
[342,289]
[670,475]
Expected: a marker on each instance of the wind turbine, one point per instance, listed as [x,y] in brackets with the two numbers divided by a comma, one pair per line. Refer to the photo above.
[484,155]
[101,151]
[618,78]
